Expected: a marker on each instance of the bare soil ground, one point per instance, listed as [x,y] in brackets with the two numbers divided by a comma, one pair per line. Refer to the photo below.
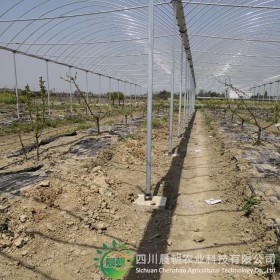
[51,229]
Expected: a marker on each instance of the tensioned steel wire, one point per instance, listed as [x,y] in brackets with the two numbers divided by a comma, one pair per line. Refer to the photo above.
[109,35]
[228,38]
[245,30]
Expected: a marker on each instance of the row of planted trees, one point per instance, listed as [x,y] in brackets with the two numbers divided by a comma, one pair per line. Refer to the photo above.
[38,117]
[261,115]
[62,101]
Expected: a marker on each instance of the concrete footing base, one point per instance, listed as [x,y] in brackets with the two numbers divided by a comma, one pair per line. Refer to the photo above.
[158,202]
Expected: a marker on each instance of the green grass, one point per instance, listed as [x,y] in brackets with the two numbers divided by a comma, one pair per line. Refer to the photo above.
[26,127]
[84,126]
[10,98]
[249,204]
[199,106]
[156,123]
[127,137]
[209,120]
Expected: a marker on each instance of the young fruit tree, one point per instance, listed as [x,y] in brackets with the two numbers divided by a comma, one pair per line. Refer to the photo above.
[116,95]
[29,105]
[254,112]
[126,111]
[37,111]
[96,115]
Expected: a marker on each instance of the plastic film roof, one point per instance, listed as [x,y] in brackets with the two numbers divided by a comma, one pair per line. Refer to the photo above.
[239,40]
[228,38]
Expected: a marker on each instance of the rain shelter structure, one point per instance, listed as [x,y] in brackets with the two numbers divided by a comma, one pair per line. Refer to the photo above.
[181,46]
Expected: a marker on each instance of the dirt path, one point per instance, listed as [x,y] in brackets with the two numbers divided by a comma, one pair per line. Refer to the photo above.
[193,219]
[202,236]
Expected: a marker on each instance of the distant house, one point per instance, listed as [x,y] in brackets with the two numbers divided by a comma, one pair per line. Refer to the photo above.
[233,95]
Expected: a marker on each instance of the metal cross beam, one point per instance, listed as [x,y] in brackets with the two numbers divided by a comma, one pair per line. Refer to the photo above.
[181,22]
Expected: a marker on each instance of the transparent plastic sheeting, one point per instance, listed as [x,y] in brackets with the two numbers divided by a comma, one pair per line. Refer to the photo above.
[239,40]
[232,39]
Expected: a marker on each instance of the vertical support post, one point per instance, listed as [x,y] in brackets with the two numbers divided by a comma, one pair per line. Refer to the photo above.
[123,93]
[181,90]
[130,90]
[270,91]
[194,95]
[148,195]
[185,95]
[135,94]
[99,84]
[259,93]
[110,91]
[124,90]
[174,3]
[118,92]
[71,97]
[139,93]
[87,91]
[189,93]
[278,96]
[226,90]
[48,87]
[192,89]
[130,96]
[263,91]
[16,83]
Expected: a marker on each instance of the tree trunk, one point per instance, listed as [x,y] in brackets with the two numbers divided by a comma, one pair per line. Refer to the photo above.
[37,147]
[86,109]
[225,112]
[23,147]
[79,99]
[65,104]
[98,125]
[259,134]
[125,119]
